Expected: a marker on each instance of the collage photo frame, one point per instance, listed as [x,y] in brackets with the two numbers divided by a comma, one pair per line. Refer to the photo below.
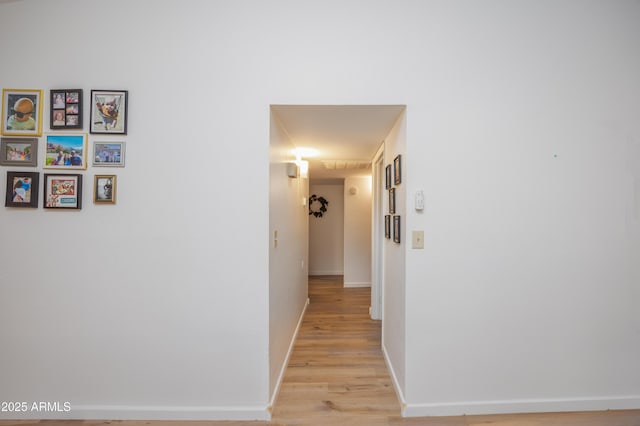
[66,109]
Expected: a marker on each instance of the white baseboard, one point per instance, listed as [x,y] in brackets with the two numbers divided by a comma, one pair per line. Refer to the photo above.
[129,412]
[394,380]
[322,273]
[276,390]
[352,284]
[522,406]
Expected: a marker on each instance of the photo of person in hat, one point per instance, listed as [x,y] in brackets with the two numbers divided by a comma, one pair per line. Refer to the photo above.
[76,160]
[22,115]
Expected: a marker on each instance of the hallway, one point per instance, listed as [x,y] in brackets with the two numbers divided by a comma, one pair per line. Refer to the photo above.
[337,374]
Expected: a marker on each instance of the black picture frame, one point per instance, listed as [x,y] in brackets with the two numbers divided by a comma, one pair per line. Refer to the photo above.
[396,229]
[109,110]
[22,189]
[66,109]
[62,191]
[392,201]
[387,182]
[397,170]
[387,226]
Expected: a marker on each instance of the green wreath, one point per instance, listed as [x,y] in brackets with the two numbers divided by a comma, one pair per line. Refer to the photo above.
[323,205]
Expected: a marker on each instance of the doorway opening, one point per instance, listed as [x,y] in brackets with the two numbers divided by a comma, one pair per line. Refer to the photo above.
[348,173]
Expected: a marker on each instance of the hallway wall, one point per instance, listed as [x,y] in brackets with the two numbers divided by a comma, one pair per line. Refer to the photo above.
[326,233]
[357,232]
[394,292]
[288,251]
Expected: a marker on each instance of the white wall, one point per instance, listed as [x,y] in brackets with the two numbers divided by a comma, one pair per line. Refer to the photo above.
[394,292]
[162,299]
[357,232]
[288,258]
[326,233]
[521,128]
[525,297]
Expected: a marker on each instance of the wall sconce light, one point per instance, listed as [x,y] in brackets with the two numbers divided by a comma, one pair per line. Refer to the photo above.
[293,170]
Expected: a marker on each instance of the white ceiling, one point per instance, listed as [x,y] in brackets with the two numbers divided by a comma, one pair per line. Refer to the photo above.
[350,134]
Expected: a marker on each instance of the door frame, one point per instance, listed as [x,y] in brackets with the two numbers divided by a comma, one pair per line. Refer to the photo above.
[377,234]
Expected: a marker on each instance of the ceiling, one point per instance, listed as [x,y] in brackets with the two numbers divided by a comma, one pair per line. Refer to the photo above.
[346,137]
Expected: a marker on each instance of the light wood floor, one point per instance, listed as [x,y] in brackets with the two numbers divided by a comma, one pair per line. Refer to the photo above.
[337,376]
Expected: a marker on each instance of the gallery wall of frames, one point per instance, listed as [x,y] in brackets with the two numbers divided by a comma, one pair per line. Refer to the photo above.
[393,178]
[47,169]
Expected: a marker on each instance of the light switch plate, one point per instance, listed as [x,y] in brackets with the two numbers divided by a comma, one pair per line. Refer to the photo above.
[417,239]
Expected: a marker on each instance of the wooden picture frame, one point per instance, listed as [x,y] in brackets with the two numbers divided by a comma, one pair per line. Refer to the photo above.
[397,170]
[22,189]
[108,154]
[62,191]
[22,112]
[396,229]
[387,226]
[387,174]
[21,152]
[392,201]
[109,112]
[66,109]
[66,151]
[104,189]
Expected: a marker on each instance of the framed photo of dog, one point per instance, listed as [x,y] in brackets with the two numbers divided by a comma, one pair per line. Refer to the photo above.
[66,109]
[109,112]
[21,112]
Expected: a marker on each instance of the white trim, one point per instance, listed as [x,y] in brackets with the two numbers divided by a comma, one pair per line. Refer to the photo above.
[394,380]
[132,412]
[321,273]
[377,235]
[522,406]
[276,390]
[357,284]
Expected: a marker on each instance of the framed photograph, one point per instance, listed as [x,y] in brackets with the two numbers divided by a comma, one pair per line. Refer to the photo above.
[397,170]
[21,112]
[396,229]
[387,180]
[104,189]
[108,154]
[109,111]
[387,226]
[66,151]
[22,189]
[392,201]
[19,152]
[63,191]
[66,109]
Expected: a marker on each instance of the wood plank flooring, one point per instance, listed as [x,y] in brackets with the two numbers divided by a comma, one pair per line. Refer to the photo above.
[337,376]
